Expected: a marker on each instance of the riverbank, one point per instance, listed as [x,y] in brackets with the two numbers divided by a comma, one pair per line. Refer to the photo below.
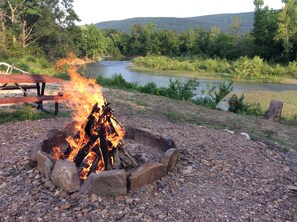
[208,75]
[243,69]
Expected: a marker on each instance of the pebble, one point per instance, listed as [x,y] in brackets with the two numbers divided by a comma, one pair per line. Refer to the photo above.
[3,185]
[48,184]
[247,136]
[229,131]
[188,170]
[247,176]
[65,206]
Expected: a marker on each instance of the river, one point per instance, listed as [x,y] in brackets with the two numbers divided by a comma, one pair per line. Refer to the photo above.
[109,68]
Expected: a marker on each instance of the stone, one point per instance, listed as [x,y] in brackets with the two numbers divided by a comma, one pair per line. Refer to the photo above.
[286,169]
[188,170]
[229,131]
[53,138]
[247,136]
[105,183]
[292,188]
[93,198]
[145,174]
[169,159]
[48,184]
[3,185]
[65,206]
[39,145]
[146,137]
[45,164]
[65,176]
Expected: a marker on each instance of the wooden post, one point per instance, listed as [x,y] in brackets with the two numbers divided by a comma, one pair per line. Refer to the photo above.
[274,112]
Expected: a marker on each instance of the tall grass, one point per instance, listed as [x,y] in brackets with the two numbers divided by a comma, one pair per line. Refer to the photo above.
[244,68]
[264,98]
[23,113]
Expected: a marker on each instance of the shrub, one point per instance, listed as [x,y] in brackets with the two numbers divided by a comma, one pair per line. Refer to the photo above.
[116,81]
[182,91]
[212,96]
[236,104]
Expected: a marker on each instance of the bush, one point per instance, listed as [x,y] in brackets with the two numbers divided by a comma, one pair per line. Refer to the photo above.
[116,81]
[182,91]
[237,105]
[212,96]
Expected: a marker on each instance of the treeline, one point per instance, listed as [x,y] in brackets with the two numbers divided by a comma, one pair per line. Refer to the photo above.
[46,28]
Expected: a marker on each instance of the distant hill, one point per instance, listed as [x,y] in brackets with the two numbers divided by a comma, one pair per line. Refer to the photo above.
[223,21]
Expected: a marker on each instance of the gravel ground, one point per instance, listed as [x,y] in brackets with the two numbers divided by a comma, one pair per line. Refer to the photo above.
[220,177]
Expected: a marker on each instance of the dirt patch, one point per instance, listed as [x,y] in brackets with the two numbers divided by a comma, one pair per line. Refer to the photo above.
[220,177]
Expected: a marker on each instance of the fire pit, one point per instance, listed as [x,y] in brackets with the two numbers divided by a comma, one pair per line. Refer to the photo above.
[95,154]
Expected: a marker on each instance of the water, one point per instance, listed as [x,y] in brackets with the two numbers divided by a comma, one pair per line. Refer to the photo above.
[109,68]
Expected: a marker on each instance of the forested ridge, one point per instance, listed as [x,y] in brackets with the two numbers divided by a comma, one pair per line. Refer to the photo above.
[205,22]
[41,32]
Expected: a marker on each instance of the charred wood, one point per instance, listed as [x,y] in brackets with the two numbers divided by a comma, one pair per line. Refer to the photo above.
[84,151]
[104,148]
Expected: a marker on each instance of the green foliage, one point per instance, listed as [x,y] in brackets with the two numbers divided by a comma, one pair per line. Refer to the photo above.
[24,113]
[291,121]
[117,81]
[35,65]
[212,96]
[237,105]
[243,68]
[256,68]
[287,28]
[292,69]
[176,89]
[93,42]
[181,91]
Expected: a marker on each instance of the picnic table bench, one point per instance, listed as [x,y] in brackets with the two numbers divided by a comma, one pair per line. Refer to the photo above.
[24,82]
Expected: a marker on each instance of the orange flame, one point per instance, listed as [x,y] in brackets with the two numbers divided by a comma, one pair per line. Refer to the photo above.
[81,94]
[57,152]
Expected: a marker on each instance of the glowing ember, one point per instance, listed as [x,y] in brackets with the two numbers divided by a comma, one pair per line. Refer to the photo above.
[99,135]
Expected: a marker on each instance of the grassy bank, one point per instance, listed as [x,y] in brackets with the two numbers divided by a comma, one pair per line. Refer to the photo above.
[264,98]
[255,69]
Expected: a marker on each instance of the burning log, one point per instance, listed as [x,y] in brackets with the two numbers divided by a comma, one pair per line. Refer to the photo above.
[104,148]
[84,151]
[97,144]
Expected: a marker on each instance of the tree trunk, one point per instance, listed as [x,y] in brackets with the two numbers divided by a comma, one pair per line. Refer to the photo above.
[23,34]
[274,112]
[3,28]
[12,18]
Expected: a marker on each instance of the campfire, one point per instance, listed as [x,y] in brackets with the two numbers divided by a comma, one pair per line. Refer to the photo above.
[97,144]
[100,155]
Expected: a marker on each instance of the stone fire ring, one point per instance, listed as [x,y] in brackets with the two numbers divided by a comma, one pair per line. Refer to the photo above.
[64,174]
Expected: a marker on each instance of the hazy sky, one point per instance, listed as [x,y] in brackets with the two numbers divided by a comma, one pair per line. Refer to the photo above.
[94,11]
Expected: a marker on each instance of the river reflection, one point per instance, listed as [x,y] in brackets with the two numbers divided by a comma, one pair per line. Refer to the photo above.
[109,68]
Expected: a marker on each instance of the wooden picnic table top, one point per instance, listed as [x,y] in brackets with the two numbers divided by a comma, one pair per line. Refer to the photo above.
[28,78]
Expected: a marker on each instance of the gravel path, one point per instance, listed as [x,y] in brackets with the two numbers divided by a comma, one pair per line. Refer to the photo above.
[220,177]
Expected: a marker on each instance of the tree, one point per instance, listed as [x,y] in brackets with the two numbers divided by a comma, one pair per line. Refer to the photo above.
[187,42]
[264,31]
[287,27]
[93,42]
[235,25]
[27,18]
[168,42]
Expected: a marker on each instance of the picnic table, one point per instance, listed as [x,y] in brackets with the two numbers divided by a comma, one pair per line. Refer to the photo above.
[24,82]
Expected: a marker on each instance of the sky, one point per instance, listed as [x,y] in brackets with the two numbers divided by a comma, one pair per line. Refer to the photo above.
[94,11]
